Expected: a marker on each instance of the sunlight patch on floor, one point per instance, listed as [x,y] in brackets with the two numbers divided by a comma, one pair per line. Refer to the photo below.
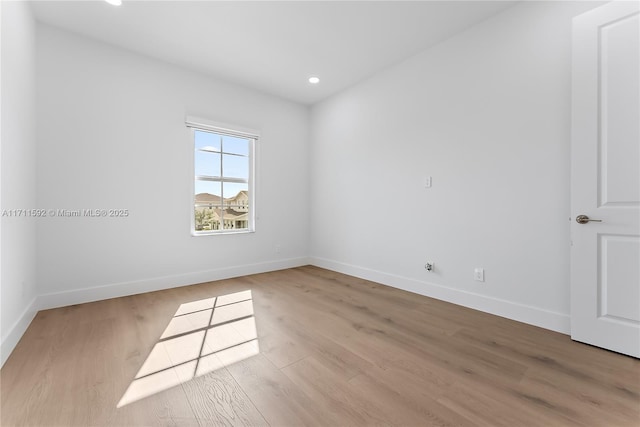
[202,336]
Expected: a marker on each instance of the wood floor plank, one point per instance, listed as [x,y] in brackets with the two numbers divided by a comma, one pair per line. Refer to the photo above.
[137,332]
[308,341]
[218,400]
[339,402]
[278,399]
[566,358]
[39,398]
[402,408]
[279,346]
[594,403]
[488,406]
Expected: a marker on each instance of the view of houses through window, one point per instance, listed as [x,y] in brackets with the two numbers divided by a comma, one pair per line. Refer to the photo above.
[222,199]
[213,213]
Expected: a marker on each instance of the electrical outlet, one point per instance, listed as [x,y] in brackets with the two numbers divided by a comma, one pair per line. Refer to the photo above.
[429,266]
[278,248]
[478,274]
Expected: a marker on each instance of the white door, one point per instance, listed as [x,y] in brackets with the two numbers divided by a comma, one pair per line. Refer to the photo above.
[605,178]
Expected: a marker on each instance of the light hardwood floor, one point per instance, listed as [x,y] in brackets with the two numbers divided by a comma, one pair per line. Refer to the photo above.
[330,350]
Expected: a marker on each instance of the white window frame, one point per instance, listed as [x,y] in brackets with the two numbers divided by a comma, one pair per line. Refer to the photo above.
[196,123]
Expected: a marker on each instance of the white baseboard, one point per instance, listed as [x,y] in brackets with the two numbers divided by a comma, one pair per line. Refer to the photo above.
[17,330]
[80,296]
[116,290]
[558,322]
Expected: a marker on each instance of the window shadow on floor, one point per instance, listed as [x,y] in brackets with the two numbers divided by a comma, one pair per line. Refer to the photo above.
[202,336]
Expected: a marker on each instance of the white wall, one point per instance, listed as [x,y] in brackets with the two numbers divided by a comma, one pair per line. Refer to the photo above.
[487,115]
[111,134]
[18,173]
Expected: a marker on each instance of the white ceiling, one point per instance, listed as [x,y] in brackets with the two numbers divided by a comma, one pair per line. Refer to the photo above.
[273,46]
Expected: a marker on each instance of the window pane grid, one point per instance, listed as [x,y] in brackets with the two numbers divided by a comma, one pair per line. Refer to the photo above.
[221,179]
[226,153]
[226,205]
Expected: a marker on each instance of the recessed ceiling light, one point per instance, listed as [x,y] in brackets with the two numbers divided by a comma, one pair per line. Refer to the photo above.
[314,80]
[114,2]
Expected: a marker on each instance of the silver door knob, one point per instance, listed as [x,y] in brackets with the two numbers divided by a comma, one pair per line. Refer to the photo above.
[583,219]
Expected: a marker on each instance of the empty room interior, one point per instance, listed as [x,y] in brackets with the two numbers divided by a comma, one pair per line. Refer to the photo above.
[286,213]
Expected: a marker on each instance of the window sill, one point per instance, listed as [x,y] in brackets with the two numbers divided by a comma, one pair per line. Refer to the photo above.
[218,233]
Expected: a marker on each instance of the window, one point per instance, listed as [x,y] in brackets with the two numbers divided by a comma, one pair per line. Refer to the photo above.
[223,196]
